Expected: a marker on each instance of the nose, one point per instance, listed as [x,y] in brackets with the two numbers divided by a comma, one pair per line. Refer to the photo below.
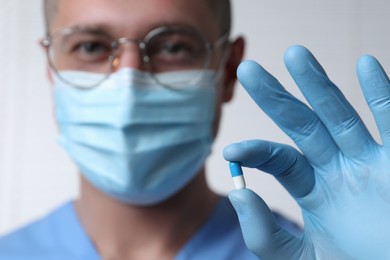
[129,56]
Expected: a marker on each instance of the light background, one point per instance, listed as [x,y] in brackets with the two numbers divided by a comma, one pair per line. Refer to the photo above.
[36,175]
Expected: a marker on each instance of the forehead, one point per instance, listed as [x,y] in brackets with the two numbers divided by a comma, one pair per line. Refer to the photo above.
[134,18]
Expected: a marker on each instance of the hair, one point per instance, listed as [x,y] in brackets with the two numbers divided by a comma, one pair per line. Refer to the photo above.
[221,8]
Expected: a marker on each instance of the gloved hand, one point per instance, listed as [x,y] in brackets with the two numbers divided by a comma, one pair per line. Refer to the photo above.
[340,177]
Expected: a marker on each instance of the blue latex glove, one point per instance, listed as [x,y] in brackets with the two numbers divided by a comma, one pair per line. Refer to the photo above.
[341,176]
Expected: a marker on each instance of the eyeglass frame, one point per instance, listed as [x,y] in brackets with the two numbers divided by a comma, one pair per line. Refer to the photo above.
[142,46]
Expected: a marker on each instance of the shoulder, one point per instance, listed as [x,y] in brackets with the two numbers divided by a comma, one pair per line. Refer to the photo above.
[41,227]
[50,237]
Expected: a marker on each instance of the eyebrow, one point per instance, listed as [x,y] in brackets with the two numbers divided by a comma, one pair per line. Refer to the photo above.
[103,29]
[93,29]
[96,29]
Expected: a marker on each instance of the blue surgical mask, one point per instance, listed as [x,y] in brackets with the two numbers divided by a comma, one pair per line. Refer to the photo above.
[132,139]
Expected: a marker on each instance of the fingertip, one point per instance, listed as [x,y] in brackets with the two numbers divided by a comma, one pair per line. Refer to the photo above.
[295,58]
[235,151]
[235,198]
[296,50]
[244,151]
[367,63]
[248,72]
[247,66]
[241,194]
[230,152]
[245,197]
[241,199]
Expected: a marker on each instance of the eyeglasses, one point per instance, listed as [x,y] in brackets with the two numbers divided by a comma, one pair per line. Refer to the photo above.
[164,49]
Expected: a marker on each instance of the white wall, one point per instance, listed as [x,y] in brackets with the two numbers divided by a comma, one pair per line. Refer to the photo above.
[36,175]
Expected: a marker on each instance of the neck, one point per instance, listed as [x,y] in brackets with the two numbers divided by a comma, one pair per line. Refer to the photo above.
[122,231]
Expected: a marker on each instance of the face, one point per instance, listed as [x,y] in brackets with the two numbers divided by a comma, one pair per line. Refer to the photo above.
[135,18]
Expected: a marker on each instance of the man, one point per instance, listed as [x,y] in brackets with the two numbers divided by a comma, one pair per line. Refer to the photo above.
[138,88]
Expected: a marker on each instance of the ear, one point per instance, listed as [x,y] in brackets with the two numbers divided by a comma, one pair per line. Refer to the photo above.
[230,76]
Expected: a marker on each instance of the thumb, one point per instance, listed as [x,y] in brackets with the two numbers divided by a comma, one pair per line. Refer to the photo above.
[262,235]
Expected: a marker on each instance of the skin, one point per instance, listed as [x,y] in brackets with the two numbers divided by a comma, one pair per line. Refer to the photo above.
[122,231]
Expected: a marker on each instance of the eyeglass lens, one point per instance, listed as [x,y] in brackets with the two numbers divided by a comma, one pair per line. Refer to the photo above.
[93,51]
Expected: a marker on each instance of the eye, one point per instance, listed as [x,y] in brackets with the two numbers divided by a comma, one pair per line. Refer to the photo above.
[176,49]
[92,47]
[84,47]
[91,50]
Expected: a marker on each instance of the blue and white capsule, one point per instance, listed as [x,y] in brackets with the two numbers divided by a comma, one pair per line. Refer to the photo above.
[237,175]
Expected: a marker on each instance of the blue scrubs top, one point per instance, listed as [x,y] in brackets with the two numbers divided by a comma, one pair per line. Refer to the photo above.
[60,236]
